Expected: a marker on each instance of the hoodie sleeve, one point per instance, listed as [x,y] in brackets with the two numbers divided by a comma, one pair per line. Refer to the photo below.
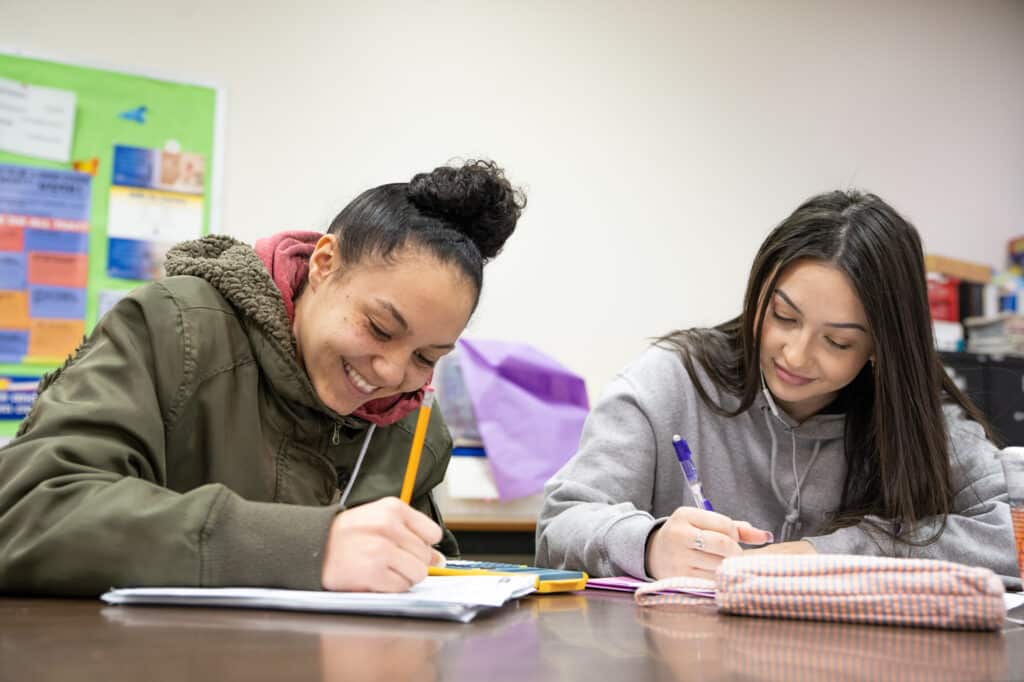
[978,532]
[83,499]
[594,516]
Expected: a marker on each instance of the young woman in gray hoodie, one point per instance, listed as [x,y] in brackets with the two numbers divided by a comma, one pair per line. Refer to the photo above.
[820,417]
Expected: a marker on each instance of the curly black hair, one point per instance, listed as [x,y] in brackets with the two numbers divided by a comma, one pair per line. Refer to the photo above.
[460,214]
[475,198]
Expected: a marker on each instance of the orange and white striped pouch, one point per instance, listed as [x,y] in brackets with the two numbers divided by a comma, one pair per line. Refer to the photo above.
[855,589]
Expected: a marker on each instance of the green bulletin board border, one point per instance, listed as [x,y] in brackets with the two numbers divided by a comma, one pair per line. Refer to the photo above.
[190,113]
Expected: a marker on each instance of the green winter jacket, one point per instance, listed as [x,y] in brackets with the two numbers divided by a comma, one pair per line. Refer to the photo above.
[183,444]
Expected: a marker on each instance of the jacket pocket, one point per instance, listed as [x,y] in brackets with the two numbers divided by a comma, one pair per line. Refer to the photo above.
[303,476]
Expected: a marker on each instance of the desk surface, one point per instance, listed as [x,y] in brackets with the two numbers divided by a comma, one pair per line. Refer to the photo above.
[591,636]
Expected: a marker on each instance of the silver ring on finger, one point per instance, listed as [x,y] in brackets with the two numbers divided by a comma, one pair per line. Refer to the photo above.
[698,541]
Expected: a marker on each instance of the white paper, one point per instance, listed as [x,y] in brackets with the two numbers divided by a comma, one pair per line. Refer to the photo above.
[36,120]
[458,598]
[108,298]
[1013,599]
[152,215]
[470,477]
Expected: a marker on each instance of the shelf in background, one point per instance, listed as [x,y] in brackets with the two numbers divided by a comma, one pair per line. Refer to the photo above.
[492,529]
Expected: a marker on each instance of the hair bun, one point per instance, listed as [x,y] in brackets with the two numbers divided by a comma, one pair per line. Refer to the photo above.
[474,198]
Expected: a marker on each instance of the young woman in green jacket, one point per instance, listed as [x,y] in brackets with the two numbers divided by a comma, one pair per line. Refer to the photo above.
[247,419]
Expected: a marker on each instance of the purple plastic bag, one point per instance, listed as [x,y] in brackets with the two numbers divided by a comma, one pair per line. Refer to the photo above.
[529,412]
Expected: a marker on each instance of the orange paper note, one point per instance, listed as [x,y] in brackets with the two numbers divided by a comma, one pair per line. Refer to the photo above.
[12,238]
[53,340]
[14,309]
[58,269]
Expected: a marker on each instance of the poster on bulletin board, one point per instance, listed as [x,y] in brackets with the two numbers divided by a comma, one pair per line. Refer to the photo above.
[101,171]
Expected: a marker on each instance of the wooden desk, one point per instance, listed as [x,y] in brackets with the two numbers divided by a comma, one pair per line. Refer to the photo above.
[592,636]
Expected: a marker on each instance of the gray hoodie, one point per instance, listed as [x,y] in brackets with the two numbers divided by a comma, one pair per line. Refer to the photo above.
[625,479]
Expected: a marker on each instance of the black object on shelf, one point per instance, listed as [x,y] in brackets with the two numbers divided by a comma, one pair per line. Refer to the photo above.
[996,385]
[972,299]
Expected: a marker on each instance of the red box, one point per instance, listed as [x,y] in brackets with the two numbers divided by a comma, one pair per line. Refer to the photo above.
[944,297]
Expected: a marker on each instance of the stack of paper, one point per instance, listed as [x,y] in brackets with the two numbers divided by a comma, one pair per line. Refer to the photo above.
[458,598]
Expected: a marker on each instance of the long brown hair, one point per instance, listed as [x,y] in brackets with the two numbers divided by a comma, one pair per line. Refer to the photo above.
[896,441]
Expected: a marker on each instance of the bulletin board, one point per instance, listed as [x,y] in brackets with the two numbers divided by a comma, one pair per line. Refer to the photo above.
[124,125]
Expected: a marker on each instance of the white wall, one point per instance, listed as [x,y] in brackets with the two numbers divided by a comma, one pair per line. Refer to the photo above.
[659,141]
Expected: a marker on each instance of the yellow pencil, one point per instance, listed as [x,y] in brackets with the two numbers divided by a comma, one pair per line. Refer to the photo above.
[416,450]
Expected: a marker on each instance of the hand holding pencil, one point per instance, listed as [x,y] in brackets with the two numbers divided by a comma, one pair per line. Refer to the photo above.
[418,438]
[384,546]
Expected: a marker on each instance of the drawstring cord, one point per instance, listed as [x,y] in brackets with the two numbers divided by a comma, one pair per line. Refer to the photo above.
[359,463]
[792,523]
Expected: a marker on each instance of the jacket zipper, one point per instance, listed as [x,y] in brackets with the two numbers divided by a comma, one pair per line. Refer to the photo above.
[336,436]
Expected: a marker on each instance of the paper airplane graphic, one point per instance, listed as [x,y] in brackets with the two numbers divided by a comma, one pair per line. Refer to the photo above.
[138,114]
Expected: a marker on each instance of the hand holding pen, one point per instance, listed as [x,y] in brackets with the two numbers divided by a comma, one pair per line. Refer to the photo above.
[693,541]
[685,458]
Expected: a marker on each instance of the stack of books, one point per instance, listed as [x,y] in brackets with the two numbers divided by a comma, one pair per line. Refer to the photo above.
[1001,334]
[955,292]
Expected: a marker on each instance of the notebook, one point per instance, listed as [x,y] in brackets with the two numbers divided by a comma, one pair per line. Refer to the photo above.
[449,598]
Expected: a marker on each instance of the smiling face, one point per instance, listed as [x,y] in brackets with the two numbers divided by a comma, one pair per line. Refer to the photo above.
[815,338]
[376,329]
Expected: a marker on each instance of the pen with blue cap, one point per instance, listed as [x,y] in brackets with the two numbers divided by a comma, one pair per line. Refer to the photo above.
[685,458]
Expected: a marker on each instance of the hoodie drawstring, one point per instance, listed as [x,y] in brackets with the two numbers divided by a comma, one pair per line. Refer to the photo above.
[359,463]
[792,523]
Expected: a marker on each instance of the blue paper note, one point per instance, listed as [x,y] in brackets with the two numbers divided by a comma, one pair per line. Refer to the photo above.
[134,166]
[56,241]
[44,192]
[12,270]
[59,303]
[130,258]
[13,345]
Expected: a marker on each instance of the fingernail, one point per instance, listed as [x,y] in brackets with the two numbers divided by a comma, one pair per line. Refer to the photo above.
[439,560]
[769,538]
